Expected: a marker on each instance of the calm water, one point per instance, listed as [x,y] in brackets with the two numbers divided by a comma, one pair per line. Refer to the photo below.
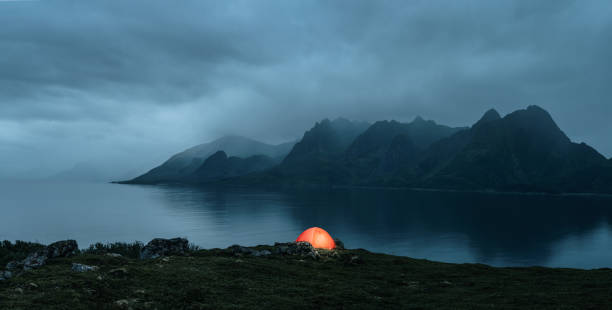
[496,229]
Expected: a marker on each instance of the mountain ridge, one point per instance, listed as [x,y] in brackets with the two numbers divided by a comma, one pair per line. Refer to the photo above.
[523,151]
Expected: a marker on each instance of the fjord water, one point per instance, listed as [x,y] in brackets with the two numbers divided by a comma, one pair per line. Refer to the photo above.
[496,229]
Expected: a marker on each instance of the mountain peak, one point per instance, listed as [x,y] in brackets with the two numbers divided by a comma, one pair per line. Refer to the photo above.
[490,115]
[418,119]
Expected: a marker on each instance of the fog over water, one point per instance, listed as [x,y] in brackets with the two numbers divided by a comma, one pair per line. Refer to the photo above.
[122,85]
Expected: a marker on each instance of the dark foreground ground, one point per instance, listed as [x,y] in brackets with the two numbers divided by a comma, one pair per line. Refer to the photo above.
[355,279]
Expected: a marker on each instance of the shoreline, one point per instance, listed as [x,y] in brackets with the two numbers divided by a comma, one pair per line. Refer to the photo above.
[332,187]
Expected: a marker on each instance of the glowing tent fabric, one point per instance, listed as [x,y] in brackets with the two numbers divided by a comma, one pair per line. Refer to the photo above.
[318,238]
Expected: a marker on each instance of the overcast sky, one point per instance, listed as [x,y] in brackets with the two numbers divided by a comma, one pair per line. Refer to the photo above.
[129,83]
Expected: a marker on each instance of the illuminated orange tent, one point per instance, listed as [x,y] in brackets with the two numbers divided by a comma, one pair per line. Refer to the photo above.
[318,237]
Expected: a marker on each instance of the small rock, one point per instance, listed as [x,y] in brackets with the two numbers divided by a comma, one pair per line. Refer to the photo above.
[83,268]
[162,247]
[118,272]
[14,265]
[239,250]
[32,285]
[123,303]
[5,275]
[355,260]
[19,290]
[99,278]
[296,248]
[141,292]
[114,255]
[165,259]
[262,253]
[446,283]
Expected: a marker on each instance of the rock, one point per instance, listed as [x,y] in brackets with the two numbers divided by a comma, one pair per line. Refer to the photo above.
[162,247]
[339,244]
[262,253]
[14,265]
[238,250]
[83,268]
[114,255]
[296,248]
[122,303]
[5,275]
[32,285]
[19,290]
[39,257]
[354,260]
[62,249]
[125,303]
[118,272]
[445,283]
[35,260]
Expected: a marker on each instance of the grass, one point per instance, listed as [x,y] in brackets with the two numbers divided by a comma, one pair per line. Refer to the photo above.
[215,279]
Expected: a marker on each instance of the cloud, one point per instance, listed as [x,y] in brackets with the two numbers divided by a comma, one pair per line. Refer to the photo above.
[135,81]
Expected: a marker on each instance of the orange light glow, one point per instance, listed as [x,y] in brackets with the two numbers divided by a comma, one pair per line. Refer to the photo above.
[318,238]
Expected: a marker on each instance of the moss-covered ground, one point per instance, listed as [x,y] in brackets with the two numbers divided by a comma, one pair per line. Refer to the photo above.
[216,279]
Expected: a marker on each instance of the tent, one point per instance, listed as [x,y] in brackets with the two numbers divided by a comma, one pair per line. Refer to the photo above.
[318,238]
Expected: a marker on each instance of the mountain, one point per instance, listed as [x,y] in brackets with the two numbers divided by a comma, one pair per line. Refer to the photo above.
[523,151]
[327,139]
[219,166]
[316,157]
[387,145]
[182,165]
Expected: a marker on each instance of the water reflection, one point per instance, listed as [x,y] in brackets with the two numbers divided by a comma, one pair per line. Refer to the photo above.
[499,229]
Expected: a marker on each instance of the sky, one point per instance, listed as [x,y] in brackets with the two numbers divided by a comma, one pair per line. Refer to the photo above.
[125,84]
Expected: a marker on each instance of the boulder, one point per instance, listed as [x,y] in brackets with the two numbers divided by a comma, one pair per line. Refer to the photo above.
[62,249]
[296,248]
[239,250]
[35,260]
[164,247]
[39,257]
[83,268]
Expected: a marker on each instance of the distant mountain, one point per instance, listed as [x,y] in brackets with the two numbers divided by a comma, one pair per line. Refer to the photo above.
[219,166]
[523,151]
[181,166]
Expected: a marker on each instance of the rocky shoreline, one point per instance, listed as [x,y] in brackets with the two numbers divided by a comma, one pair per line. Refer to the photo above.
[158,248]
